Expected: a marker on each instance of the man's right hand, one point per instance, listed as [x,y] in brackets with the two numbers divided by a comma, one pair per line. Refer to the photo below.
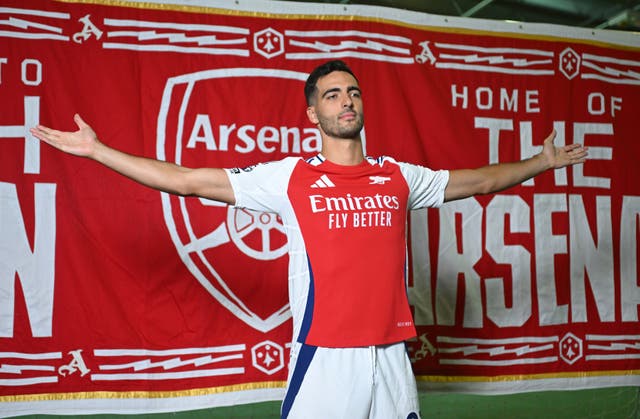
[82,142]
[210,183]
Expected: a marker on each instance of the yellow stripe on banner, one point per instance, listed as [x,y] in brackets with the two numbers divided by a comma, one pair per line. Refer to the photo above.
[523,377]
[169,7]
[142,394]
[355,18]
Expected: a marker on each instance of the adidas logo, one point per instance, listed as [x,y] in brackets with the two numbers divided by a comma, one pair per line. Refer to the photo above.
[323,182]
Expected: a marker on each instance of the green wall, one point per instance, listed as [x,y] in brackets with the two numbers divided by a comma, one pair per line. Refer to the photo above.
[609,403]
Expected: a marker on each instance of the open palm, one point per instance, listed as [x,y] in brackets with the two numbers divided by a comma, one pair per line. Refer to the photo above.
[80,143]
[563,156]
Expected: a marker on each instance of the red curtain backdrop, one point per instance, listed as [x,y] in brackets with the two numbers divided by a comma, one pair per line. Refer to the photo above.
[115,297]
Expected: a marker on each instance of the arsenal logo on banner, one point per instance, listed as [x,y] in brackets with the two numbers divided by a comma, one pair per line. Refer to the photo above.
[207,119]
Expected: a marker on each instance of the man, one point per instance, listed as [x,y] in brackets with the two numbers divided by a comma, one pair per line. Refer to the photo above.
[345,217]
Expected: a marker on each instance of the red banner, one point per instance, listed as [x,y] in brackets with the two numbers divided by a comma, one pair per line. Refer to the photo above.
[118,298]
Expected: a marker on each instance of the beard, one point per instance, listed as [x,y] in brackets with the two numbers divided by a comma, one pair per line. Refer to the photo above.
[337,128]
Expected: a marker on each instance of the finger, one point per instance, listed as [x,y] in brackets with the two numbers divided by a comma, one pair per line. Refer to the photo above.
[46,134]
[45,129]
[36,133]
[41,135]
[581,155]
[79,121]
[578,156]
[49,132]
[577,149]
[42,128]
[551,136]
[571,147]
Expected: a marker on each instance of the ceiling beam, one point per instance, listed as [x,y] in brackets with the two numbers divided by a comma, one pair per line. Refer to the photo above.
[472,11]
[618,18]
[570,7]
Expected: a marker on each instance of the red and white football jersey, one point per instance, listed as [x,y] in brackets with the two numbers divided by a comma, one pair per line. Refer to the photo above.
[346,231]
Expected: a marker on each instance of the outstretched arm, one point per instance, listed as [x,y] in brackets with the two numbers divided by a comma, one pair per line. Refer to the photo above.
[168,177]
[496,177]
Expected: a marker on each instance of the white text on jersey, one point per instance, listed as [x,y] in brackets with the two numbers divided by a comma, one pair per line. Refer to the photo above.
[348,202]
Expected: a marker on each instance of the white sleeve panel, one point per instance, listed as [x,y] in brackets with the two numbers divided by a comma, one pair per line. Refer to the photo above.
[262,187]
[426,186]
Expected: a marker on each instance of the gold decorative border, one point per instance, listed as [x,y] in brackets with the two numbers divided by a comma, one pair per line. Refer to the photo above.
[523,377]
[82,395]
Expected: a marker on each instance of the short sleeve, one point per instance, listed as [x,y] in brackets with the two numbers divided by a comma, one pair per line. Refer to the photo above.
[262,187]
[426,186]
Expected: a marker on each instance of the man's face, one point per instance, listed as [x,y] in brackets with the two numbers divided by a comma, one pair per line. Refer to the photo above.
[337,107]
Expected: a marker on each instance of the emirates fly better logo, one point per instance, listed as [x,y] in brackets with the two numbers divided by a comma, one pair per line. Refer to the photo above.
[233,118]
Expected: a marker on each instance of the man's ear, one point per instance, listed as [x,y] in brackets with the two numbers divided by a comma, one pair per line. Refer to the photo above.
[311,114]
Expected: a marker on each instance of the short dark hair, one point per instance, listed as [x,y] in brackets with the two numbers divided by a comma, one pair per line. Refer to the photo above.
[320,71]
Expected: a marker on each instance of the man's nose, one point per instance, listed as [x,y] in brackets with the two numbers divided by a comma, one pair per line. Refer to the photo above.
[347,102]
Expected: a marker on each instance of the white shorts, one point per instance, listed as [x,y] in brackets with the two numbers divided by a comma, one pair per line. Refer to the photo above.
[370,382]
